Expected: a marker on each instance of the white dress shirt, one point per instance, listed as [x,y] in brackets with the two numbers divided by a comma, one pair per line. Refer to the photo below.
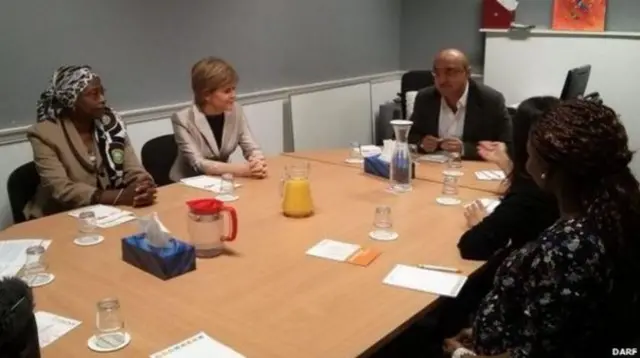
[450,123]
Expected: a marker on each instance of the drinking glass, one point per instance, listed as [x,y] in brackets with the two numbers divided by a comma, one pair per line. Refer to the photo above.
[227,187]
[449,194]
[455,160]
[383,224]
[415,154]
[355,154]
[35,262]
[110,330]
[87,223]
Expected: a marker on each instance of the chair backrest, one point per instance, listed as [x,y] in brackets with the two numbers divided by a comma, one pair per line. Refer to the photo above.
[158,155]
[413,81]
[21,186]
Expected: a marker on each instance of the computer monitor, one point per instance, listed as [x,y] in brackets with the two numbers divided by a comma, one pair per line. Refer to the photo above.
[576,83]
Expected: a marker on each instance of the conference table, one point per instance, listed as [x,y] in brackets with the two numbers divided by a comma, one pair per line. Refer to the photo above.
[424,170]
[266,297]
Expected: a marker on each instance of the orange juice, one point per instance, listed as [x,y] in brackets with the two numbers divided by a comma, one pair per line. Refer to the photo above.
[296,200]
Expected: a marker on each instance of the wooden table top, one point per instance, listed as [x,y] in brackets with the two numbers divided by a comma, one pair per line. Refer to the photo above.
[267,299]
[424,170]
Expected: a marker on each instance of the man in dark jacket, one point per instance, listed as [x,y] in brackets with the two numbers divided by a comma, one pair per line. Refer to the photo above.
[457,113]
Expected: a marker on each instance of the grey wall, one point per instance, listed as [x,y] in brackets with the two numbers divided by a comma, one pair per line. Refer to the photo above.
[144,49]
[430,25]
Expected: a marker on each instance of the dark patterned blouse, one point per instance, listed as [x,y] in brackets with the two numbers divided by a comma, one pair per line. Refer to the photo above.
[547,297]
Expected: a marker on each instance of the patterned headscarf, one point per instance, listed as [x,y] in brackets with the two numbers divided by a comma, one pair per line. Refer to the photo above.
[67,84]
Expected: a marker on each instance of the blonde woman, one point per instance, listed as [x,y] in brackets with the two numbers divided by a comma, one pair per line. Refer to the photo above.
[211,129]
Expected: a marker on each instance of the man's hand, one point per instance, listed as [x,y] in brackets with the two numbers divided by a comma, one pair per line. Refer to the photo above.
[429,143]
[453,145]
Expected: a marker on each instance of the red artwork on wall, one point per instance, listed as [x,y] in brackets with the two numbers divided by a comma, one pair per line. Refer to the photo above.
[580,15]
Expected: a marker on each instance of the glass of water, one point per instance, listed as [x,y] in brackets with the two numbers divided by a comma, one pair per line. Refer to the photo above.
[110,330]
[413,151]
[355,154]
[87,223]
[383,224]
[35,262]
[449,190]
[454,161]
[227,190]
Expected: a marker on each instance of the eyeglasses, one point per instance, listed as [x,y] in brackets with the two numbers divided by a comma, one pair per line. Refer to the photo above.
[447,72]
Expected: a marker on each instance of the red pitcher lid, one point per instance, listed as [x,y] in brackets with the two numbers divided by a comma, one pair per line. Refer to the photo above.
[207,206]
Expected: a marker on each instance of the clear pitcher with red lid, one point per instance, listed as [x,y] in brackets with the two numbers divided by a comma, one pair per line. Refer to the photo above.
[207,229]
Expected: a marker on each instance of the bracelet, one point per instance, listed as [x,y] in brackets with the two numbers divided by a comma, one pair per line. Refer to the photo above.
[461,352]
[118,196]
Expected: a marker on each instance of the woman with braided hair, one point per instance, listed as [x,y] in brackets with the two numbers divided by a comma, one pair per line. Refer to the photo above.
[573,291]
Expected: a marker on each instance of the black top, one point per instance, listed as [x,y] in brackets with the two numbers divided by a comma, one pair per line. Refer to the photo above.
[549,298]
[216,122]
[524,212]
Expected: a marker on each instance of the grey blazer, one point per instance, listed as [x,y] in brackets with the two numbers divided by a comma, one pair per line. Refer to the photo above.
[197,147]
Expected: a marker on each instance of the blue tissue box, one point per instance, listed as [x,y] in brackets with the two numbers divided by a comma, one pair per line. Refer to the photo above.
[376,166]
[164,263]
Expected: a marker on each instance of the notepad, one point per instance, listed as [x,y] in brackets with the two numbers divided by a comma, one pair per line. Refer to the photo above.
[51,327]
[491,175]
[106,216]
[198,346]
[343,252]
[431,281]
[434,158]
[206,182]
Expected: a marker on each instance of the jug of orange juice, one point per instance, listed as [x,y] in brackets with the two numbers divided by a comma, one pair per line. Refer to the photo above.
[296,191]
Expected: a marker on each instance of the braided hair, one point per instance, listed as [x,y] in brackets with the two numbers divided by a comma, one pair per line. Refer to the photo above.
[586,148]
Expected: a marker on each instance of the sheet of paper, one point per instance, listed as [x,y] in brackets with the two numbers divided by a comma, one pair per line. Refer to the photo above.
[496,175]
[333,250]
[51,327]
[198,346]
[106,216]
[205,182]
[435,158]
[431,281]
[13,254]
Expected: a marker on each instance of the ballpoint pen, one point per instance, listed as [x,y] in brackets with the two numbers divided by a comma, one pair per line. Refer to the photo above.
[438,268]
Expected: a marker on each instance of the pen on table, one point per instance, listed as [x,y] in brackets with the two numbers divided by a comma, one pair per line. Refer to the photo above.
[438,268]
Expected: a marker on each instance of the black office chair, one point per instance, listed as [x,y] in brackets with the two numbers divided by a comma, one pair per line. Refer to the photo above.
[21,186]
[413,81]
[158,155]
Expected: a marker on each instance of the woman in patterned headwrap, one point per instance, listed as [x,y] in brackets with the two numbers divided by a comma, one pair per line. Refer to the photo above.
[81,149]
[572,292]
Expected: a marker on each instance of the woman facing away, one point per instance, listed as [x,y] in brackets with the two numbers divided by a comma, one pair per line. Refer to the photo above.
[523,213]
[525,210]
[210,130]
[81,149]
[572,292]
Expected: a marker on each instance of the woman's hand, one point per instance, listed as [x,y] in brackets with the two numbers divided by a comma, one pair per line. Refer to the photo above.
[494,152]
[474,213]
[258,167]
[462,340]
[145,193]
